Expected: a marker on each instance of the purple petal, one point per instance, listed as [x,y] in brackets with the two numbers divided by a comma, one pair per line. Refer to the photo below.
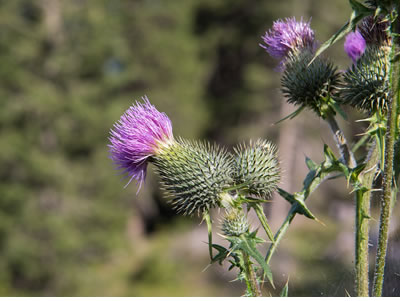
[354,45]
[137,136]
[287,36]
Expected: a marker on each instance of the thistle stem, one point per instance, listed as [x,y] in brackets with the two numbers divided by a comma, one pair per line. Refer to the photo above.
[251,279]
[281,232]
[263,220]
[307,190]
[207,218]
[345,152]
[388,168]
[363,197]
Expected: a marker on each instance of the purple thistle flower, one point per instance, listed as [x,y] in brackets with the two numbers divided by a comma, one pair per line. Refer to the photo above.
[354,45]
[286,36]
[139,134]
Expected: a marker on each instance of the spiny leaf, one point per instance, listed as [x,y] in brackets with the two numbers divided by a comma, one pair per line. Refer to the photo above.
[330,157]
[291,115]
[297,199]
[249,246]
[285,290]
[311,164]
[360,8]
[222,254]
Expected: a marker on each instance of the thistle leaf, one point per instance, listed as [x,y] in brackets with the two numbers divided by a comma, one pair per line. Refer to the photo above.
[297,199]
[311,164]
[222,254]
[285,290]
[291,115]
[248,245]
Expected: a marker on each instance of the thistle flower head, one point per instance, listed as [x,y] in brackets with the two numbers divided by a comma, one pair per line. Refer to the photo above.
[354,45]
[235,223]
[366,83]
[288,36]
[194,174]
[309,85]
[256,168]
[137,136]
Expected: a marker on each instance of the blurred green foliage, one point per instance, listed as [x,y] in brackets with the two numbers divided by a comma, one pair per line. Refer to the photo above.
[68,71]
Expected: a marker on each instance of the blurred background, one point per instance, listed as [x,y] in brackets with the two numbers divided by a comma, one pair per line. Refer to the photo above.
[69,69]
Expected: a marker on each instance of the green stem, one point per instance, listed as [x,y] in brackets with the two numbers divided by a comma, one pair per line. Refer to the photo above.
[363,197]
[388,168]
[360,143]
[345,152]
[263,220]
[281,232]
[251,279]
[304,194]
[207,218]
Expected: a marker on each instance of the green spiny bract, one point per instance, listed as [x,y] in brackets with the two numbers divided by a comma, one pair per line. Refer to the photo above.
[309,85]
[256,168]
[366,84]
[194,174]
[235,223]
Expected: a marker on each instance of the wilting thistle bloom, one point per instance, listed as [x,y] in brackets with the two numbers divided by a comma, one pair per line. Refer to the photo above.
[137,136]
[256,168]
[354,45]
[288,36]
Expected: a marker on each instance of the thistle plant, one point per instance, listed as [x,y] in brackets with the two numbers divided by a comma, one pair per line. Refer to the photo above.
[199,176]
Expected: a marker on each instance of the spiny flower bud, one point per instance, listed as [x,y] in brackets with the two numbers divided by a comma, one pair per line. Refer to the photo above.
[195,174]
[309,85]
[366,83]
[139,134]
[235,223]
[256,167]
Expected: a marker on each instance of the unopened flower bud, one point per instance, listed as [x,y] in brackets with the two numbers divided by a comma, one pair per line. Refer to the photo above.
[256,167]
[309,85]
[366,83]
[235,223]
[194,174]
